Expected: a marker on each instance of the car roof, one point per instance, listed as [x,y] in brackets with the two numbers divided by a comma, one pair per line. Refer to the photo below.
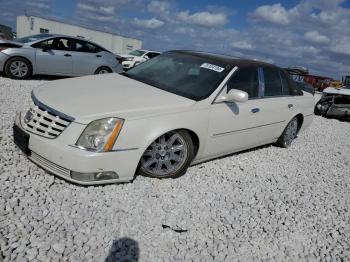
[225,59]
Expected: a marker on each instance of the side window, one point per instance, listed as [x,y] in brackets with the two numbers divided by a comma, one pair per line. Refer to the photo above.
[61,44]
[273,84]
[245,79]
[86,47]
[43,44]
[151,55]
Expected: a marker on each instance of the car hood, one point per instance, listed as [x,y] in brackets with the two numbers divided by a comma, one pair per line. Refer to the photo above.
[94,97]
[4,41]
[337,91]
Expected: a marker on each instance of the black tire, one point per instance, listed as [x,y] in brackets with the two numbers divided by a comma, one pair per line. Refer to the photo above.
[289,133]
[23,71]
[179,170]
[103,70]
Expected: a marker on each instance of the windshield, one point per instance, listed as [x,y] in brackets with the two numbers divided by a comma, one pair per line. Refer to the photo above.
[137,53]
[182,74]
[32,38]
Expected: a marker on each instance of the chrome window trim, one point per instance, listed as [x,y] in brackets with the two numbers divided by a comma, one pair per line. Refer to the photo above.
[50,109]
[223,84]
[261,82]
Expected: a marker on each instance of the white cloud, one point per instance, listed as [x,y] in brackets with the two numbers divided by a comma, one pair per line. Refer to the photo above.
[206,19]
[39,4]
[244,45]
[316,37]
[148,23]
[158,7]
[276,14]
[107,10]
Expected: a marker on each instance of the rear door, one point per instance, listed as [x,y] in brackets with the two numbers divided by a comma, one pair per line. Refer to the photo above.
[277,106]
[87,57]
[54,56]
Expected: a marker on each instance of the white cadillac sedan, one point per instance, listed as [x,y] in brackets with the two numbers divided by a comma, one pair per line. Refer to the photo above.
[178,109]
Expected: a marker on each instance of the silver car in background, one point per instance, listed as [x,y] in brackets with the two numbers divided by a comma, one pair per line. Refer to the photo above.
[47,54]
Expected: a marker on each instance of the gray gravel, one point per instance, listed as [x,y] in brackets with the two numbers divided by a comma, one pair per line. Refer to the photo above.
[264,204]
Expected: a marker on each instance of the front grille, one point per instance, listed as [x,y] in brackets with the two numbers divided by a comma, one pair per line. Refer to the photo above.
[48,165]
[44,122]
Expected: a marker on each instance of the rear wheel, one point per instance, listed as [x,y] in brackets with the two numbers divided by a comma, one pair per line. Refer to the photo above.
[289,134]
[18,68]
[103,70]
[168,156]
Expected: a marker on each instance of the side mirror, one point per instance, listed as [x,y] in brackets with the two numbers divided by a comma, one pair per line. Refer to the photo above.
[234,95]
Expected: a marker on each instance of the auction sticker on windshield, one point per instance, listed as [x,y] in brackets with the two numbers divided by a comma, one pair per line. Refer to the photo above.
[213,67]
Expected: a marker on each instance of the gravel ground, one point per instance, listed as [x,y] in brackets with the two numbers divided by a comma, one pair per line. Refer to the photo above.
[264,204]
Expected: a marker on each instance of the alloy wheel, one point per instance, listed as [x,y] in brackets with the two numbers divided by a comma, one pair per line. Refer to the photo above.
[103,71]
[165,155]
[19,69]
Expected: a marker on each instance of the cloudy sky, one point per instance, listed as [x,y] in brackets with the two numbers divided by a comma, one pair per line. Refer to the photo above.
[310,33]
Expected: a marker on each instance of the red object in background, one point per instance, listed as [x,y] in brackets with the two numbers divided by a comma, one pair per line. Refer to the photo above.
[318,82]
[301,75]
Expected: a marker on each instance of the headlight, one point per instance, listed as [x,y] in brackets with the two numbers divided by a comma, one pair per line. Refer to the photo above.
[100,135]
[128,59]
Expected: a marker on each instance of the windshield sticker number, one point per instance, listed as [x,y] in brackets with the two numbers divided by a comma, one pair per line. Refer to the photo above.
[213,67]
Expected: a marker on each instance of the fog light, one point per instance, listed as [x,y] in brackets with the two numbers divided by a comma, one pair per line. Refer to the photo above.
[107,175]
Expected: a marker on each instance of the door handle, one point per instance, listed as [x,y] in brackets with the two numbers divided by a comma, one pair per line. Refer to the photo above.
[67,55]
[290,106]
[255,110]
[98,56]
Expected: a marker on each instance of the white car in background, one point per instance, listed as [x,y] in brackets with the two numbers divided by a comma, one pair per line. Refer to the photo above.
[48,54]
[160,117]
[137,57]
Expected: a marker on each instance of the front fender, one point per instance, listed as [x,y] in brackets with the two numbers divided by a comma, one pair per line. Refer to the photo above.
[140,133]
[26,53]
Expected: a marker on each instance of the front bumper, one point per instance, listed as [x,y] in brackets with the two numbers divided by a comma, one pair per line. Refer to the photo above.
[3,59]
[62,159]
[128,64]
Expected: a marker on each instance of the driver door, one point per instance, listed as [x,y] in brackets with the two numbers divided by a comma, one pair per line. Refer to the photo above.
[54,57]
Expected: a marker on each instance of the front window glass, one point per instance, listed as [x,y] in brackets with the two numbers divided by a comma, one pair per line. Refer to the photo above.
[137,53]
[32,38]
[247,80]
[182,74]
[63,44]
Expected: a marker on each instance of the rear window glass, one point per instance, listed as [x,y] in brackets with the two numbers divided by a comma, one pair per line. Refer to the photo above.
[273,84]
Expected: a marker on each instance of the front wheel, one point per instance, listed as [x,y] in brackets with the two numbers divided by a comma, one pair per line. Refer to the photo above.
[168,156]
[289,134]
[18,68]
